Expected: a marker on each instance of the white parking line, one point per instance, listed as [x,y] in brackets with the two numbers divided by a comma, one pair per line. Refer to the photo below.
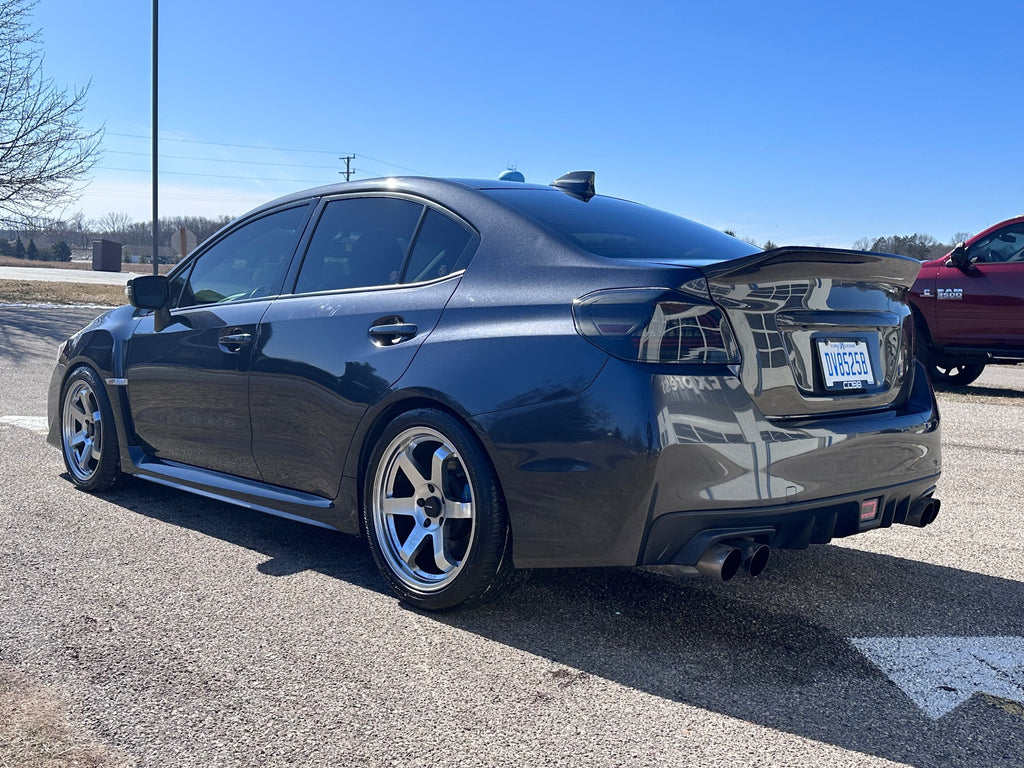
[940,673]
[35,423]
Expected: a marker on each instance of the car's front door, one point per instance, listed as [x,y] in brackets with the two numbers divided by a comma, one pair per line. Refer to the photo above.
[375,277]
[188,384]
[982,304]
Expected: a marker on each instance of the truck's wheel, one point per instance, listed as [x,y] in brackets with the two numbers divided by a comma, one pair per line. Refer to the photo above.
[960,374]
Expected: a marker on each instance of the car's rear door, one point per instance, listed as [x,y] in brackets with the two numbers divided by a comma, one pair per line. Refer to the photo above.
[188,380]
[375,277]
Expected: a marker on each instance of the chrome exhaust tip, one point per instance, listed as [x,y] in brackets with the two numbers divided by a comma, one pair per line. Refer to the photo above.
[755,557]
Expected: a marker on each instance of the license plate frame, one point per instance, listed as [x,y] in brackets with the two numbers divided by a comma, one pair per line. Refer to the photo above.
[845,364]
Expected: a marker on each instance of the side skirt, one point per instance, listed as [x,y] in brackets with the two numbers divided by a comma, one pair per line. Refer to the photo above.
[272,500]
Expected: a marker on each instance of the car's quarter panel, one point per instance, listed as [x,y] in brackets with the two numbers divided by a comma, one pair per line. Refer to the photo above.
[588,477]
[317,369]
[188,386]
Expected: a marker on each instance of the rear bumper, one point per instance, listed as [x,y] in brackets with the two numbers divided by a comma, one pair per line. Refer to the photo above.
[680,538]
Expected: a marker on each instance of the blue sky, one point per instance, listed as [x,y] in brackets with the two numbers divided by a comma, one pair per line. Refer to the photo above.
[812,123]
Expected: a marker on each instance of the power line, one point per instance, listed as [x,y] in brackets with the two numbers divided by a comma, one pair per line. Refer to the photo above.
[223,144]
[213,175]
[269,149]
[218,160]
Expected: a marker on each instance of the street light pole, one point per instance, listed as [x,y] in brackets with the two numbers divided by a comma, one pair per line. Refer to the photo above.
[156,219]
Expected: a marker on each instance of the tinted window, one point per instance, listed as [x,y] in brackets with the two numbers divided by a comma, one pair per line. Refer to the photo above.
[1006,245]
[606,226]
[248,262]
[442,247]
[359,242]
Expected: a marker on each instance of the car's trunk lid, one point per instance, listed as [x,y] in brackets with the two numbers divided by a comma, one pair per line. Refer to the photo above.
[821,331]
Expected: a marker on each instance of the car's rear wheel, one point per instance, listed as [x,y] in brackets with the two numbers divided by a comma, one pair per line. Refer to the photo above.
[434,515]
[88,435]
[961,374]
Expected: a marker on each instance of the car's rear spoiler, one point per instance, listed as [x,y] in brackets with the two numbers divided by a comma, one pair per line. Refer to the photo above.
[802,262]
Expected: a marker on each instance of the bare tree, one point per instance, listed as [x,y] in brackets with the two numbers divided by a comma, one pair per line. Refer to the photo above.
[44,152]
[114,225]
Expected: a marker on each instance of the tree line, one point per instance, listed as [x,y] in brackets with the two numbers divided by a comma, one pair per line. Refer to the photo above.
[917,246]
[52,239]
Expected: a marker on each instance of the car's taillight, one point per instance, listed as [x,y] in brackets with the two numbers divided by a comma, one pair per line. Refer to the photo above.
[655,325]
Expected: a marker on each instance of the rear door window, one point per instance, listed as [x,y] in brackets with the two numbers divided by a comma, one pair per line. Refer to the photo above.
[359,243]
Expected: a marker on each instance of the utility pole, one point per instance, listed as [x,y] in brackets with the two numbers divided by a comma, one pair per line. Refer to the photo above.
[348,166]
[156,219]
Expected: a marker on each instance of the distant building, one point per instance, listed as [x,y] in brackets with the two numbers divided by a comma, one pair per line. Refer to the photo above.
[143,254]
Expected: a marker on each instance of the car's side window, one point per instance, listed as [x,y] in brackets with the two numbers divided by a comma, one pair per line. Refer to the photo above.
[247,263]
[442,247]
[358,243]
[1001,247]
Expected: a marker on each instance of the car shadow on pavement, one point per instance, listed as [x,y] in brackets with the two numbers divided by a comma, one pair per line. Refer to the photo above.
[774,651]
[975,392]
[290,547]
[24,330]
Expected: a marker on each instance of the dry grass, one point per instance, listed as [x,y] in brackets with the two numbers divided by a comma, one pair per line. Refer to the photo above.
[31,292]
[35,731]
[142,269]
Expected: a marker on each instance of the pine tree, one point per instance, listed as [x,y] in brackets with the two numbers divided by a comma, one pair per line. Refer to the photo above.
[61,251]
[19,248]
[33,252]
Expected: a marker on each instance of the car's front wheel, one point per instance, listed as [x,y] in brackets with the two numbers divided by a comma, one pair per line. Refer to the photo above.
[88,435]
[434,515]
[961,374]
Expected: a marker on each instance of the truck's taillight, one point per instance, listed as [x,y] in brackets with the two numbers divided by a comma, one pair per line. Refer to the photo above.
[655,325]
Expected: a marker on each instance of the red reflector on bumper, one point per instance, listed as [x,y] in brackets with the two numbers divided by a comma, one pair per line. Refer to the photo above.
[868,510]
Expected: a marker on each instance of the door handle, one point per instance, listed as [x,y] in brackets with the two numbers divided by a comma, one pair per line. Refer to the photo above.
[387,334]
[233,342]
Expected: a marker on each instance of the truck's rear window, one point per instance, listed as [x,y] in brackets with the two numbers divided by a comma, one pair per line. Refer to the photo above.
[607,226]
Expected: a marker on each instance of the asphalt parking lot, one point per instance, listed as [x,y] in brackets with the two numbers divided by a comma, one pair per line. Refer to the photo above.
[185,632]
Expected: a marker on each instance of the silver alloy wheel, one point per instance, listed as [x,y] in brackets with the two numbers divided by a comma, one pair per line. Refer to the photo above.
[82,430]
[423,509]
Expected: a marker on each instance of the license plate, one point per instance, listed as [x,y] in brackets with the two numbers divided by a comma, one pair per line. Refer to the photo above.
[845,364]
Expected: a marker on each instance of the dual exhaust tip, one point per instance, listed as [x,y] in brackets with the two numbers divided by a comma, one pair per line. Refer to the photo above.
[723,561]
[924,512]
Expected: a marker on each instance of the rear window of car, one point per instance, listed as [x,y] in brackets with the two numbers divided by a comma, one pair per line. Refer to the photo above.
[619,229]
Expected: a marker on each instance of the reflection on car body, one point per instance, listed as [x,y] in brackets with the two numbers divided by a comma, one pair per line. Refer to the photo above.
[485,377]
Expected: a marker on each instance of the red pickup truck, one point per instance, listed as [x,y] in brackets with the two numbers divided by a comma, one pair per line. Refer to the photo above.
[969,305]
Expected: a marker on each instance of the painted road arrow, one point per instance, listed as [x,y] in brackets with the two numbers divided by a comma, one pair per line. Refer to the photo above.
[940,673]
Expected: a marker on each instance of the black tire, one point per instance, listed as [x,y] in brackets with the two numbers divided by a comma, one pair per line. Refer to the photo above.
[434,516]
[960,374]
[88,434]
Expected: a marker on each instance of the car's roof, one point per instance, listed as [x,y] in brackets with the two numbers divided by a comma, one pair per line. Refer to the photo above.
[414,184]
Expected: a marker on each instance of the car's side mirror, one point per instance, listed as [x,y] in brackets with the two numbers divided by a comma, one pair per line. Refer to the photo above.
[151,292]
[148,292]
[958,257]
